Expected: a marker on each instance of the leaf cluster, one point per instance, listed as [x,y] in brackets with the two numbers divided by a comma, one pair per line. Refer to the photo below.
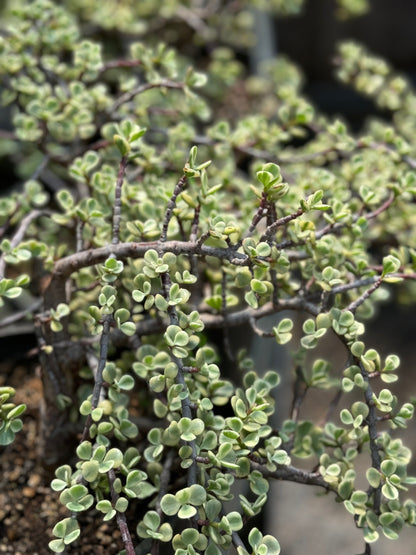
[155,222]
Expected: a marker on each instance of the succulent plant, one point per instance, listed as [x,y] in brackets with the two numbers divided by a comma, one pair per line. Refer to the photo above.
[154,222]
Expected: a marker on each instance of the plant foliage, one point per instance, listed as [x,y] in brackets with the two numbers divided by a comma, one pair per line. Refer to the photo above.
[153,222]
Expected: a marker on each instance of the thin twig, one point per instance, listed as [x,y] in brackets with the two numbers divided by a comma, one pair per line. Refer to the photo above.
[20,233]
[258,331]
[292,474]
[179,187]
[261,212]
[334,227]
[121,517]
[196,289]
[201,239]
[299,392]
[271,219]
[352,307]
[117,200]
[280,222]
[174,320]
[195,224]
[371,421]
[353,285]
[38,171]
[192,18]
[117,64]
[382,208]
[98,382]
[16,316]
[180,378]
[129,95]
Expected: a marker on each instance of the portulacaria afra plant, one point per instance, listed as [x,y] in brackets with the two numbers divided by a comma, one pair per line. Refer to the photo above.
[144,222]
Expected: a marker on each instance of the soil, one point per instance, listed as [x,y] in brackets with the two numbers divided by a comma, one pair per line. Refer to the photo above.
[29,508]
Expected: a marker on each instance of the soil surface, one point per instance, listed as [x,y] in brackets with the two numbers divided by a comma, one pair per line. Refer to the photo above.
[29,508]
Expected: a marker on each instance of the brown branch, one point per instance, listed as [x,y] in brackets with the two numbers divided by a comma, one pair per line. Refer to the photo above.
[258,331]
[117,200]
[126,97]
[117,64]
[121,518]
[299,392]
[180,377]
[280,222]
[174,320]
[380,209]
[370,422]
[292,474]
[358,302]
[353,285]
[16,316]
[192,18]
[20,233]
[98,381]
[74,262]
[335,227]
[180,186]
[261,212]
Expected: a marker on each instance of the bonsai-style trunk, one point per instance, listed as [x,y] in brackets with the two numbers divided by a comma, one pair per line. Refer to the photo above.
[60,360]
